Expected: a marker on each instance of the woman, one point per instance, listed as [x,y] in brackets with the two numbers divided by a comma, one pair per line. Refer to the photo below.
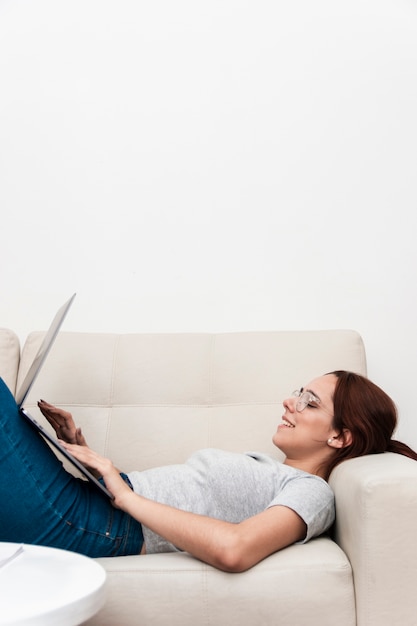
[229,510]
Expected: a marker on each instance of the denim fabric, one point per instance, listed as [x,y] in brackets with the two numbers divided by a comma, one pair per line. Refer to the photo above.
[41,503]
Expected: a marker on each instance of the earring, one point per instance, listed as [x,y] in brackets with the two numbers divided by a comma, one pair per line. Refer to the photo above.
[329,441]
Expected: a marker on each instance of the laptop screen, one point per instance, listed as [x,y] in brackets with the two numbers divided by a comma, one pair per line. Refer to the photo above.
[42,352]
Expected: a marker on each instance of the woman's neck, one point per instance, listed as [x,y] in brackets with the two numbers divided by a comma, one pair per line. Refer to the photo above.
[307,465]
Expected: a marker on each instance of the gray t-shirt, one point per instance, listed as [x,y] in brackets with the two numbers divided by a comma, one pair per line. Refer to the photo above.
[232,487]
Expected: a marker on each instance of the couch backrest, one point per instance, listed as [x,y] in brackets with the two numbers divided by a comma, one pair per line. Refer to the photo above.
[150,399]
[9,357]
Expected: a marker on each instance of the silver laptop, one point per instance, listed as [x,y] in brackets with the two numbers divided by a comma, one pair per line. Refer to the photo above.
[27,384]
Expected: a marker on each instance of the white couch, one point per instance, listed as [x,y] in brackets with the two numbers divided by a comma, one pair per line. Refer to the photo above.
[151,399]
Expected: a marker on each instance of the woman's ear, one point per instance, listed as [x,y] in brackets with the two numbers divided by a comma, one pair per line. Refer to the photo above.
[347,437]
[342,440]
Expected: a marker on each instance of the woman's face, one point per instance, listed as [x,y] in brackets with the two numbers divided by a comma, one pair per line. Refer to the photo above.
[307,421]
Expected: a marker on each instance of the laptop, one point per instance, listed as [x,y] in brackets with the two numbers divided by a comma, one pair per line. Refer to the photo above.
[27,384]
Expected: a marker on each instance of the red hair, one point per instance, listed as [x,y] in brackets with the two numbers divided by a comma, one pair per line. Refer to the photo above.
[370,415]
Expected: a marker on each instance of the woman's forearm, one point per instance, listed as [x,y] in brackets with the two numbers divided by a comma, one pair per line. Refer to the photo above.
[227,546]
[213,541]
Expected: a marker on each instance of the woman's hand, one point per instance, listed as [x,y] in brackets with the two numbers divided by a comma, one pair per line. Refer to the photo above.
[63,423]
[101,466]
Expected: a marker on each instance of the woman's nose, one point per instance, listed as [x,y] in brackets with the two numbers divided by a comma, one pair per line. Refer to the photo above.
[289,403]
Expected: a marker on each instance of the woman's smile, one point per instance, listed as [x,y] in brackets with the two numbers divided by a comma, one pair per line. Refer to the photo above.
[286,423]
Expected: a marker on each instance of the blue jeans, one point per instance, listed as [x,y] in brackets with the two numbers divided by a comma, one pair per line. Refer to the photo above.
[41,503]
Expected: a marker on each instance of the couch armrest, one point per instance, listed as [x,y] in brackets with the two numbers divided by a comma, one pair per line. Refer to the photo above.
[376,513]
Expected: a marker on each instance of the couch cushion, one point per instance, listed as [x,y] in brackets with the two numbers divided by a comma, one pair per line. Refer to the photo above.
[303,584]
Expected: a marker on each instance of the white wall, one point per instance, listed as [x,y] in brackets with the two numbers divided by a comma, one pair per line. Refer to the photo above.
[213,166]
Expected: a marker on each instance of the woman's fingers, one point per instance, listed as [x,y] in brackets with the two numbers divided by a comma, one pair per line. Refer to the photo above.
[61,421]
[81,441]
[103,467]
[89,457]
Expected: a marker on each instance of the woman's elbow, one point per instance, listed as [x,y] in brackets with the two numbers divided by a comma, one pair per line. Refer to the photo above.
[233,558]
[231,563]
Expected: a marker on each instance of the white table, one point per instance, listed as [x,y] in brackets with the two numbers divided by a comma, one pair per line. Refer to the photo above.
[45,586]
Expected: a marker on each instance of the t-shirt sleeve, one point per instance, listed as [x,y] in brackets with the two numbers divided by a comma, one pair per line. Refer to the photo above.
[312,499]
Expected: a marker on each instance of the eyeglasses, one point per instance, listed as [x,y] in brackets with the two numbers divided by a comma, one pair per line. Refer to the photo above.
[304,399]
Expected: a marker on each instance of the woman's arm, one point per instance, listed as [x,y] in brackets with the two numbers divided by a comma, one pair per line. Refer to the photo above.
[229,547]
